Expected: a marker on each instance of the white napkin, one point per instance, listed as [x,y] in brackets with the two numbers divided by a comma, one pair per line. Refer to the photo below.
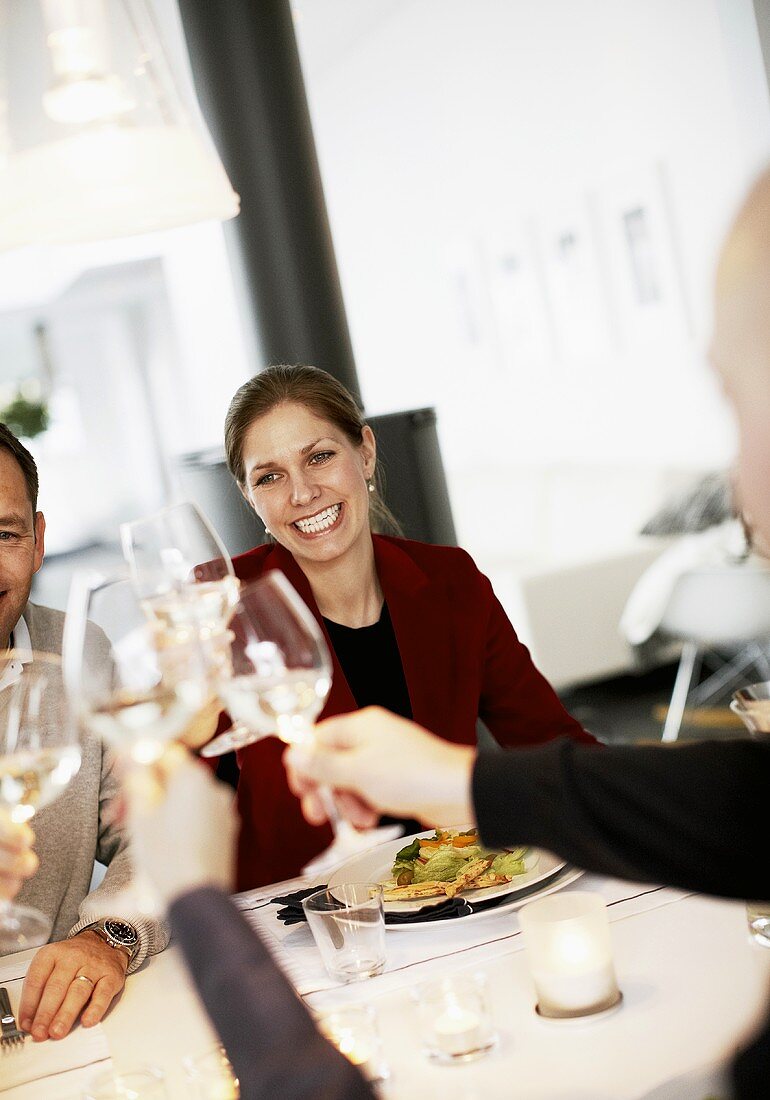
[29,1072]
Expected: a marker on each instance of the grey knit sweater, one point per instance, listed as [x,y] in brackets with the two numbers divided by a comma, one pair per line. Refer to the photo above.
[76,829]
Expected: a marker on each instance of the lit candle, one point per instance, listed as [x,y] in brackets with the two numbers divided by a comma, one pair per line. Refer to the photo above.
[454,1018]
[353,1031]
[570,952]
[354,1049]
[212,1076]
[458,1030]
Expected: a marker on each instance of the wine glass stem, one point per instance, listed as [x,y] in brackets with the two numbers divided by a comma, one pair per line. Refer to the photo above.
[336,819]
[295,729]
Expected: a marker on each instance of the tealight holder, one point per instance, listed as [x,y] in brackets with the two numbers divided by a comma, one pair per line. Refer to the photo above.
[455,1021]
[211,1076]
[354,1031]
[142,1083]
[570,956]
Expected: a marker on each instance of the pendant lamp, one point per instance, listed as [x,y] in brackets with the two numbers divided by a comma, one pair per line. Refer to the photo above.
[95,139]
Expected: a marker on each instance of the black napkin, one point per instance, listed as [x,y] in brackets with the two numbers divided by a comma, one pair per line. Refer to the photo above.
[293,913]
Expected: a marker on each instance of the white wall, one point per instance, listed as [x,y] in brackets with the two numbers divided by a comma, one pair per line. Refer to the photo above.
[444,126]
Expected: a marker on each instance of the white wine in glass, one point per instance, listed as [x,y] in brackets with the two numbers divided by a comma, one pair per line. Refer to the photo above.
[184,578]
[39,756]
[129,682]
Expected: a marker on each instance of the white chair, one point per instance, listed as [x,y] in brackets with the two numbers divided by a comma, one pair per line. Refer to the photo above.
[715,609]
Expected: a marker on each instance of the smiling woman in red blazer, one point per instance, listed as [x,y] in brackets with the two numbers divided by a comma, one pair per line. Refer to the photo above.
[411,627]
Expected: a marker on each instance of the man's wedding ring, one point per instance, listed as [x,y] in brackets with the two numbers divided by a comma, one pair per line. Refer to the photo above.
[85,978]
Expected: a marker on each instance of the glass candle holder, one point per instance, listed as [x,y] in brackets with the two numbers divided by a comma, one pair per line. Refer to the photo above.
[355,1033]
[145,1083]
[211,1076]
[348,926]
[570,955]
[455,1021]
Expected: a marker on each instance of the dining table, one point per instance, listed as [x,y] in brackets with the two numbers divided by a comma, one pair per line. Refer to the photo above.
[693,982]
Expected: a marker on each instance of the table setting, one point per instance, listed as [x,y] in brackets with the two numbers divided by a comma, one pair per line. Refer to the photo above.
[431,962]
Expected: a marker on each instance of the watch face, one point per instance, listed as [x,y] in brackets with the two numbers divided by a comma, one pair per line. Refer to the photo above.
[121,932]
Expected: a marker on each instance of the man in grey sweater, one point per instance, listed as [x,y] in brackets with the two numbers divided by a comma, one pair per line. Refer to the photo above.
[92,946]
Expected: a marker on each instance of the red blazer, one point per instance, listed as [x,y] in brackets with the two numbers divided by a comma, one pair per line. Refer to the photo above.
[461,659]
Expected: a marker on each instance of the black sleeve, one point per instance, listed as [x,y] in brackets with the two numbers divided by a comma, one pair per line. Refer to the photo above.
[269,1036]
[692,816]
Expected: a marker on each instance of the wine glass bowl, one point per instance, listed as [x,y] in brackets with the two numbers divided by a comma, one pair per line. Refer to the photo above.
[130,682]
[39,756]
[180,569]
[280,669]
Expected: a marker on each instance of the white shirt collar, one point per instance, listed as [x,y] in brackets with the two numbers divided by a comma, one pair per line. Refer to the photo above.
[22,640]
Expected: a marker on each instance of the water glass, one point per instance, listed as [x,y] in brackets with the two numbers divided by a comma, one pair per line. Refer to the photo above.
[354,1032]
[348,926]
[147,1083]
[455,1021]
[211,1076]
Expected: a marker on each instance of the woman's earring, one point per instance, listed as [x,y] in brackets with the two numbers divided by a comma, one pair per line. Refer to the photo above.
[268,531]
[371,487]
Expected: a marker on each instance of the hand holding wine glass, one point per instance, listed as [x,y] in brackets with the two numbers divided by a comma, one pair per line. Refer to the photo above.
[276,681]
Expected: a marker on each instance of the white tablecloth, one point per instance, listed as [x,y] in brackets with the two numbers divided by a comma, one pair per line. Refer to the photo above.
[692,980]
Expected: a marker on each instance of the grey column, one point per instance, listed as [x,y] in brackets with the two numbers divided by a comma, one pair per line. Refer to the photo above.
[247,74]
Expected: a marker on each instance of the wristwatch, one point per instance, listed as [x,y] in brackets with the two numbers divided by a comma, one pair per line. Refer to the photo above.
[117,933]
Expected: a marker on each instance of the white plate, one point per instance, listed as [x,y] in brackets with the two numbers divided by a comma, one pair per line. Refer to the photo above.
[515,901]
[375,865]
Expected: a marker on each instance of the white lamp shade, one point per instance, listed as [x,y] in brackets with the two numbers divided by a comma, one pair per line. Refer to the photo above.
[136,163]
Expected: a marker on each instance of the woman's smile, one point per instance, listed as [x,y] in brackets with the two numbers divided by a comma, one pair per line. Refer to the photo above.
[320,523]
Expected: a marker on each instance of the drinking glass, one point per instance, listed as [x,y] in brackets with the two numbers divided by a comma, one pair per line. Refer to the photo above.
[276,681]
[39,755]
[129,682]
[348,926]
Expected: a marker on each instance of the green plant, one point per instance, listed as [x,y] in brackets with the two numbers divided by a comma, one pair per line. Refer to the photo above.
[25,418]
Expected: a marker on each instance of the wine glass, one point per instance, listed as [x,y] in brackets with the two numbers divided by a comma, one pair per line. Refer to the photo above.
[276,681]
[129,681]
[183,575]
[39,755]
[180,569]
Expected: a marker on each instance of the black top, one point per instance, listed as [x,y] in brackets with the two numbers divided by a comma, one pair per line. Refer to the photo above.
[693,816]
[372,665]
[266,1030]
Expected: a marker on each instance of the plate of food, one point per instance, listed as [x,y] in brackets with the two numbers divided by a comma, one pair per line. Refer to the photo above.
[429,867]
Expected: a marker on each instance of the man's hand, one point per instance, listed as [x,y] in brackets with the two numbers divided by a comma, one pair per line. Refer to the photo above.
[55,991]
[376,761]
[17,860]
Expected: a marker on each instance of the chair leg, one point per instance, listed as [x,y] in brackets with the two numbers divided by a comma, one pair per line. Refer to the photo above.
[761,662]
[732,672]
[681,690]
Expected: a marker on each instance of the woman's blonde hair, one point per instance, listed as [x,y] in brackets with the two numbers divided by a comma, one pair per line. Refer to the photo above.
[318,391]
